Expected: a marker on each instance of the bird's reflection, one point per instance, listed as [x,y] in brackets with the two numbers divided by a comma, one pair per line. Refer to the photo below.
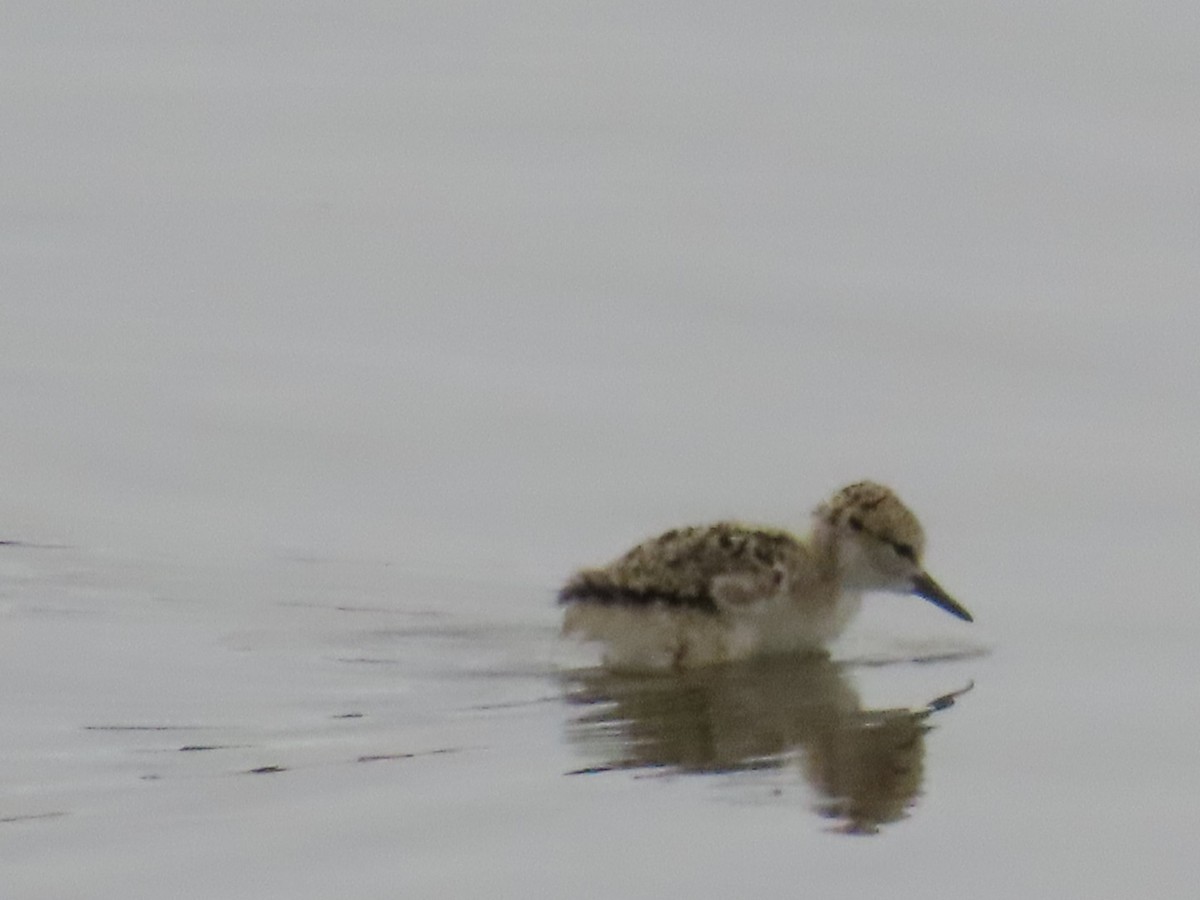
[865,766]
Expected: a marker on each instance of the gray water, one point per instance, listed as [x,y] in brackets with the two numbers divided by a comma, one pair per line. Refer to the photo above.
[334,336]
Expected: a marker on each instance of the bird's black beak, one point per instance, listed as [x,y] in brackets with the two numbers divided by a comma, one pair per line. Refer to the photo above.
[926,587]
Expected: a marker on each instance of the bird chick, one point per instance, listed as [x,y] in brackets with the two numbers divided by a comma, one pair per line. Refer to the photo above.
[712,593]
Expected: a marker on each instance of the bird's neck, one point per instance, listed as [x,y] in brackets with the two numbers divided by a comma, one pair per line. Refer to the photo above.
[823,544]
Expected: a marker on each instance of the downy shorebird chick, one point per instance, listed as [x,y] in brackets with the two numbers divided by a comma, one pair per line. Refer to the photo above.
[712,593]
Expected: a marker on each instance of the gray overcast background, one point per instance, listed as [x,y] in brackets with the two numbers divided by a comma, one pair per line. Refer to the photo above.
[399,279]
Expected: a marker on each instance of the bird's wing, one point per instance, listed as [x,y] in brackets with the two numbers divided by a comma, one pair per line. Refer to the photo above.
[678,567]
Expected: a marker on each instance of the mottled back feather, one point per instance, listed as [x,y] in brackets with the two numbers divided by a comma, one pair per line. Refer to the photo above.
[677,567]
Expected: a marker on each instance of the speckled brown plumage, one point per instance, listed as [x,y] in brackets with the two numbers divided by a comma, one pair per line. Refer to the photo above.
[677,568]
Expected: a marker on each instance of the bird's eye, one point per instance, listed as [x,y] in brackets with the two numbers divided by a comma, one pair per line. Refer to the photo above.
[856,523]
[906,550]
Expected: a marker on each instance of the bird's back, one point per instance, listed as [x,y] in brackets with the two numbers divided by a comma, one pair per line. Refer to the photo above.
[677,568]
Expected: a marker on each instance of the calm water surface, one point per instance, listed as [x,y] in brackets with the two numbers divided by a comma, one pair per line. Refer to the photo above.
[282,728]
